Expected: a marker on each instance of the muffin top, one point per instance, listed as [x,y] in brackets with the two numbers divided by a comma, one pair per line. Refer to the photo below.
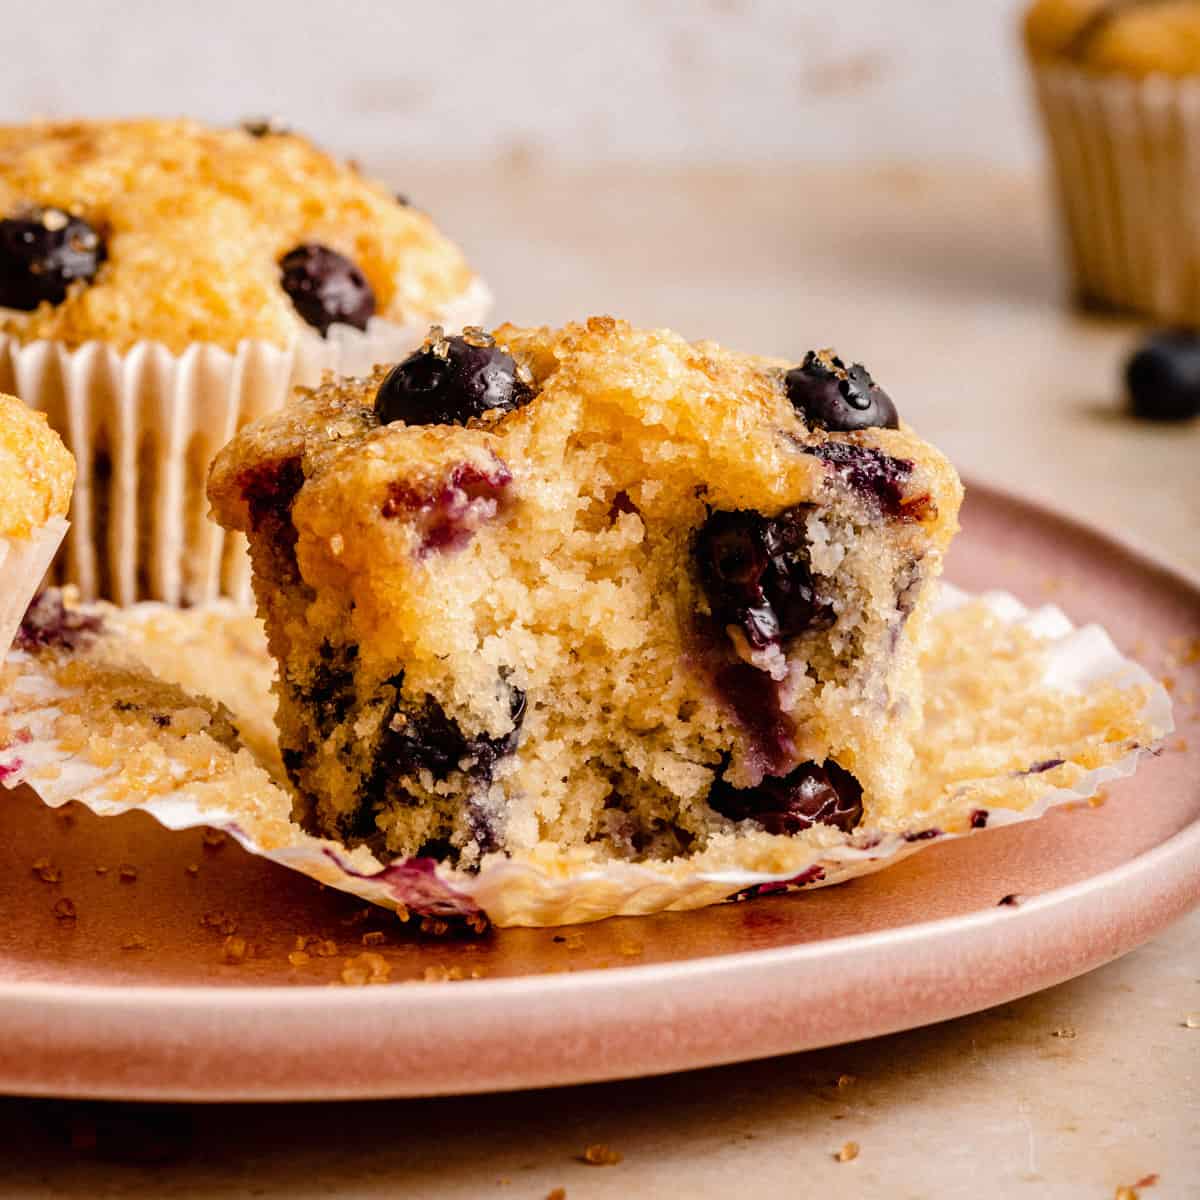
[761,433]
[171,231]
[1132,37]
[37,471]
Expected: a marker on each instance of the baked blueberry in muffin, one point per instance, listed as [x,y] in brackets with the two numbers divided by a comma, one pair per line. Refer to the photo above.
[175,232]
[594,587]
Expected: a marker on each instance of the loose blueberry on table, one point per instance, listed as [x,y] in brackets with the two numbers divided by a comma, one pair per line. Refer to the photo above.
[1163,376]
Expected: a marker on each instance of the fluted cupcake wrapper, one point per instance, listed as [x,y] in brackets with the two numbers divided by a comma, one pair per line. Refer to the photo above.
[23,565]
[1126,161]
[144,425]
[76,723]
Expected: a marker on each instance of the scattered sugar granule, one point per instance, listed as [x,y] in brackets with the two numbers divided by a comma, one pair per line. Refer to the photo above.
[101,870]
[233,949]
[848,1152]
[1192,1021]
[325,948]
[64,909]
[219,921]
[365,968]
[1066,1032]
[298,958]
[135,941]
[844,1081]
[46,871]
[375,937]
[600,1155]
[213,838]
[192,868]
[127,873]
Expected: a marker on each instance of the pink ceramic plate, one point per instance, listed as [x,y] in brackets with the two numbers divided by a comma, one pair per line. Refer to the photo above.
[135,998]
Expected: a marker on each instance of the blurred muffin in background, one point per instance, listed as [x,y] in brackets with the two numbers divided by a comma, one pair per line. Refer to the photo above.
[162,283]
[1118,84]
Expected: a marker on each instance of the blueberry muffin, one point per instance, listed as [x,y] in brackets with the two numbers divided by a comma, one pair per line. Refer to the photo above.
[36,474]
[161,283]
[1118,84]
[592,587]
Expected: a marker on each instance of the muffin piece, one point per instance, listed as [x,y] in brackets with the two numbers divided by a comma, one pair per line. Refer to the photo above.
[161,284]
[170,231]
[36,474]
[594,586]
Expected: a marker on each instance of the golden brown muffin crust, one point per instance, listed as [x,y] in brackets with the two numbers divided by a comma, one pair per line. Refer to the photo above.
[1131,37]
[37,471]
[196,220]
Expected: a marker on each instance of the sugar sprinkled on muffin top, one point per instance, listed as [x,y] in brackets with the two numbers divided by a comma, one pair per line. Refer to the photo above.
[172,231]
[1132,37]
[36,470]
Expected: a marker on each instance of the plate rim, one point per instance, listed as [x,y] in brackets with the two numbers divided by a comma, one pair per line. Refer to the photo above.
[1167,874]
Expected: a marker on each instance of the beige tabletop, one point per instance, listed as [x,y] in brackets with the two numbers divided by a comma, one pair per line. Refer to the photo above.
[946,285]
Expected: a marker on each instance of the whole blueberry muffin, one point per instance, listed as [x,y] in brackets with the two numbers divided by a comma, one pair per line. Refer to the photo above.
[36,474]
[595,586]
[161,283]
[1118,84]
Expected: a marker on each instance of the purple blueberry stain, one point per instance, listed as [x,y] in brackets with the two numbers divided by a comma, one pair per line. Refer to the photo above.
[1038,768]
[879,478]
[811,794]
[49,624]
[810,875]
[979,818]
[448,515]
[10,769]
[415,883]
[753,698]
[922,835]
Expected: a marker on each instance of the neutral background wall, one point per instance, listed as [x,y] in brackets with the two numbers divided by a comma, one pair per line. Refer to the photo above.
[553,81]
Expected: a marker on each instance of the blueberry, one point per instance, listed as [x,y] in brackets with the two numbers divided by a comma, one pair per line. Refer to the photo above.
[426,739]
[755,572]
[449,380]
[829,395]
[261,127]
[810,795]
[1163,376]
[326,287]
[42,252]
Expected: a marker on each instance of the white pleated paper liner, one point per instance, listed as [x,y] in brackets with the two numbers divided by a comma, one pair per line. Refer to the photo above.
[82,717]
[144,425]
[1126,160]
[23,565]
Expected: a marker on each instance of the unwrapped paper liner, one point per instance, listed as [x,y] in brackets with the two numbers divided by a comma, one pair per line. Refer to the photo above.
[23,565]
[567,887]
[144,425]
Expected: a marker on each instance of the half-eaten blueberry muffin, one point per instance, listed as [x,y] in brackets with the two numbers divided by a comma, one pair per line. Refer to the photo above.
[593,587]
